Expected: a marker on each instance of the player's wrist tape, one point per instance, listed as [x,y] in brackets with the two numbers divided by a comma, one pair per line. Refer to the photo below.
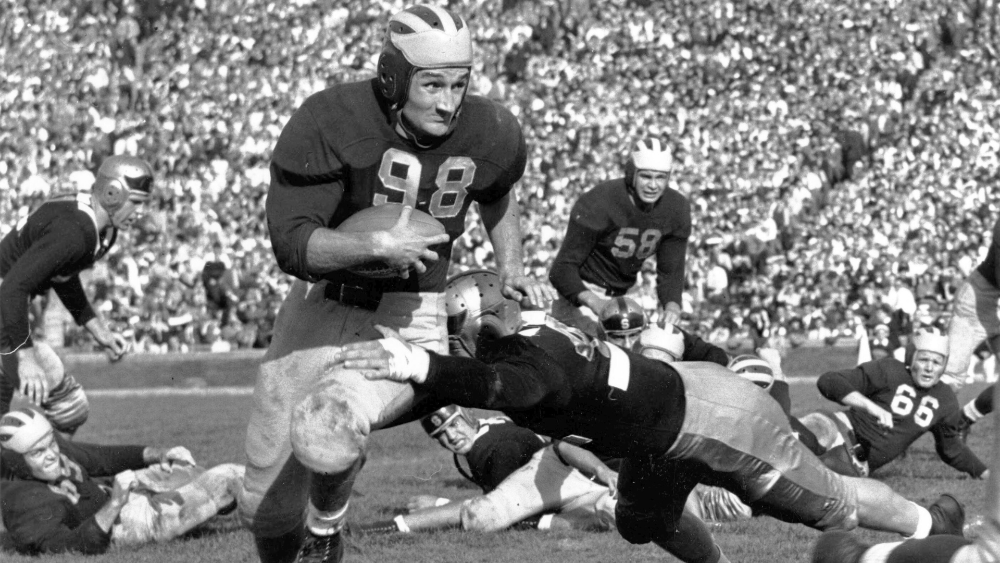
[442,501]
[407,362]
[545,522]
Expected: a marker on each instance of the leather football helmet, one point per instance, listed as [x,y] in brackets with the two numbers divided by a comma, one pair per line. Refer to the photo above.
[477,308]
[930,339]
[120,178]
[662,344]
[754,369]
[21,429]
[621,322]
[647,154]
[420,37]
[437,421]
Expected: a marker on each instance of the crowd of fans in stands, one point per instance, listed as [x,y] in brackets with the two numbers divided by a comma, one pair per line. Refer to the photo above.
[841,158]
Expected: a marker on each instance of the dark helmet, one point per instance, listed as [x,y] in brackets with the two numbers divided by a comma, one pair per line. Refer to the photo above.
[437,421]
[420,37]
[623,319]
[477,308]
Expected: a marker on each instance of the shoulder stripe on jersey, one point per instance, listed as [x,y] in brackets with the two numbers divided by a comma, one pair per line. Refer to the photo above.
[619,369]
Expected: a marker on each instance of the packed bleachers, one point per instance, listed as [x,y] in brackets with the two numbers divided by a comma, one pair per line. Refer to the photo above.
[841,158]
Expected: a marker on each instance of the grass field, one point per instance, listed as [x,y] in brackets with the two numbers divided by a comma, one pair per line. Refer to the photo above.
[404,461]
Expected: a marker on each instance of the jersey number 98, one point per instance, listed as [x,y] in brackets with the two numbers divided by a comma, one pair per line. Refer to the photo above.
[400,172]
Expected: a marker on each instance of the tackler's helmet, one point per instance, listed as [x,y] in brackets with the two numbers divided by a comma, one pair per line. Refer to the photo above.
[119,178]
[662,344]
[436,422]
[754,369]
[647,154]
[420,37]
[21,429]
[477,308]
[622,320]
[929,339]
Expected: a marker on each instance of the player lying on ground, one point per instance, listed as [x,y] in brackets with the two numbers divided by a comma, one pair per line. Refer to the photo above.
[526,481]
[892,404]
[844,547]
[47,250]
[52,502]
[675,425]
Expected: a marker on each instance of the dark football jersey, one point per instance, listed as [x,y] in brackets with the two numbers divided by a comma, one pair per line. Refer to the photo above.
[46,250]
[501,447]
[339,154]
[564,384]
[609,238]
[988,267]
[915,410]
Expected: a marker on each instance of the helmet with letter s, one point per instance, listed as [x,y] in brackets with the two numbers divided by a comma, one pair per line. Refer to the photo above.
[477,309]
[622,320]
[122,179]
[420,37]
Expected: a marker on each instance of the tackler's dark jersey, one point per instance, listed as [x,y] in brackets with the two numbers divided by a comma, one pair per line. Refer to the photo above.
[501,448]
[562,383]
[339,153]
[609,238]
[46,250]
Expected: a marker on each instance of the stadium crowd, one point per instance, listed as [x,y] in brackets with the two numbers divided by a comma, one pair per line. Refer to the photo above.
[838,158]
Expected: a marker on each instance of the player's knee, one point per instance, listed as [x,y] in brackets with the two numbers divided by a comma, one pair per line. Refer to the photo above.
[327,435]
[67,407]
[479,515]
[822,427]
[639,527]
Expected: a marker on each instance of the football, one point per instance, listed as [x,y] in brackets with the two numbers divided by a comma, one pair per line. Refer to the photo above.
[382,218]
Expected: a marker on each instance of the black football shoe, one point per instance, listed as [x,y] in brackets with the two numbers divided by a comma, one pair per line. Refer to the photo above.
[839,546]
[321,549]
[947,516]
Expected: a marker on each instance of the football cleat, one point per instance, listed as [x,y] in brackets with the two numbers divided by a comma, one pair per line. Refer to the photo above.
[838,547]
[947,516]
[321,549]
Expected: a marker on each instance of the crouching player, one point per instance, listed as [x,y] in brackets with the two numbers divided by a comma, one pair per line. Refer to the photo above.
[844,547]
[52,503]
[526,481]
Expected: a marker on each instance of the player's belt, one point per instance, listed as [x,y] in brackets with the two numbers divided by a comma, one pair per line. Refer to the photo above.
[354,295]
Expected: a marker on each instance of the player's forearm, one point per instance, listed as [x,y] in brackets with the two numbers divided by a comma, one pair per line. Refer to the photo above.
[856,400]
[475,384]
[106,516]
[15,332]
[502,221]
[590,300]
[329,250]
[583,461]
[670,271]
[75,299]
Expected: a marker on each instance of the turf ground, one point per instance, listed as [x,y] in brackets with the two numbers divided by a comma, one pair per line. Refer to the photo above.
[403,461]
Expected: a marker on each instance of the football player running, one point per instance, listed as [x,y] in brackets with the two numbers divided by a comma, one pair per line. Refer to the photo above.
[527,481]
[612,230]
[411,135]
[48,249]
[675,424]
[892,403]
[844,547]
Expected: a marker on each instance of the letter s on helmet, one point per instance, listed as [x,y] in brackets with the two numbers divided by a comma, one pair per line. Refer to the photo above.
[477,308]
[437,421]
[622,317]
[929,339]
[420,37]
[647,154]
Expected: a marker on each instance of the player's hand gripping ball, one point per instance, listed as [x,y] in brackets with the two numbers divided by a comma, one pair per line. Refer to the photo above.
[383,218]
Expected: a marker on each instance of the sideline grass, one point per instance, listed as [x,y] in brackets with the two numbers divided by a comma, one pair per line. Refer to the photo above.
[403,461]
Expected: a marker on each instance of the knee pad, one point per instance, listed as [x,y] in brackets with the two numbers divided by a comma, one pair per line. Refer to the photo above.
[327,435]
[480,515]
[67,407]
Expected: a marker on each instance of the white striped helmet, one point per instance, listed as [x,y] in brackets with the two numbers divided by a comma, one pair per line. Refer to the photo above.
[421,37]
[648,154]
[754,369]
[21,429]
[929,339]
